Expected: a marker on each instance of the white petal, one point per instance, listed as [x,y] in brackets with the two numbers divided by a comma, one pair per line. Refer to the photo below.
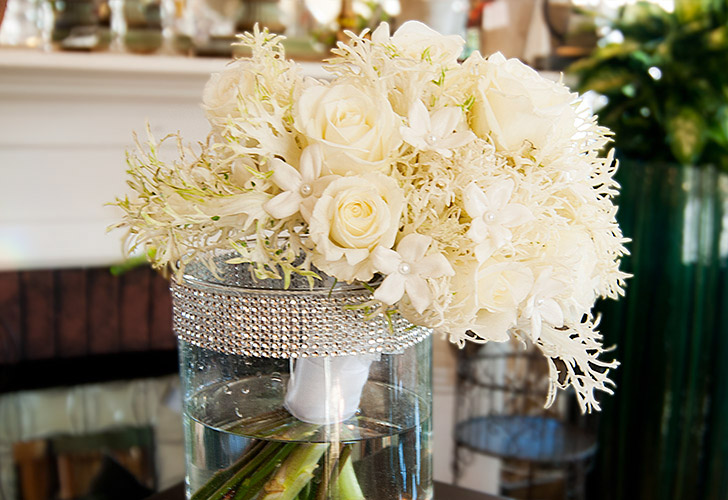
[413,137]
[285,176]
[381,34]
[306,207]
[385,260]
[391,289]
[413,247]
[311,163]
[552,313]
[514,214]
[475,201]
[478,230]
[433,266]
[355,255]
[419,117]
[445,121]
[418,291]
[494,325]
[456,140]
[499,235]
[484,250]
[552,288]
[536,324]
[500,193]
[444,152]
[283,205]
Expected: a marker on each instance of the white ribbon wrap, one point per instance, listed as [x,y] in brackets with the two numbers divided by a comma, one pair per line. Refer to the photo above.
[327,390]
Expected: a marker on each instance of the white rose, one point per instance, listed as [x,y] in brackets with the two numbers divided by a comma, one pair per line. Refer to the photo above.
[358,131]
[354,215]
[514,104]
[223,90]
[418,41]
[462,309]
[577,255]
[499,289]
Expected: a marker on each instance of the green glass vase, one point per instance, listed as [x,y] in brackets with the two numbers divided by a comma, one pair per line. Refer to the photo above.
[664,435]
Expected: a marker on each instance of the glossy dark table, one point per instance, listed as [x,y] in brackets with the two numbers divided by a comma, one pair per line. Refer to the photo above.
[442,492]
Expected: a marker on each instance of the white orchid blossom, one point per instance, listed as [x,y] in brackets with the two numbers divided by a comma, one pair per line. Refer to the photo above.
[494,215]
[407,270]
[541,305]
[299,187]
[436,132]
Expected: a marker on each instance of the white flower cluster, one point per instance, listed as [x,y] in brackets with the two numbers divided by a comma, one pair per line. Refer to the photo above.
[476,190]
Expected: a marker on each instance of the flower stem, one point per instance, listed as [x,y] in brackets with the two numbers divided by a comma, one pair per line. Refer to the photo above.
[251,485]
[347,484]
[282,469]
[248,469]
[295,473]
[330,473]
[223,476]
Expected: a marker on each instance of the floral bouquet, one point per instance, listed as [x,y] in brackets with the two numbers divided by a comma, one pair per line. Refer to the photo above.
[472,198]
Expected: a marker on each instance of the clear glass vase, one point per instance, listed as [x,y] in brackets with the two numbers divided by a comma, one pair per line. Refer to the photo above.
[294,394]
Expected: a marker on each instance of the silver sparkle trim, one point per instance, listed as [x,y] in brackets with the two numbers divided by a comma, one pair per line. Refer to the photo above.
[235,314]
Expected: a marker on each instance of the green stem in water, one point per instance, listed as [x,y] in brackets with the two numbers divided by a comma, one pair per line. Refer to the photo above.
[295,473]
[305,493]
[254,475]
[248,469]
[223,476]
[332,467]
[261,423]
[347,484]
[251,485]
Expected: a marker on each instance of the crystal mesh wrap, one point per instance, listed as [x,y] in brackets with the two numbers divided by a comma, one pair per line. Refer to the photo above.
[235,314]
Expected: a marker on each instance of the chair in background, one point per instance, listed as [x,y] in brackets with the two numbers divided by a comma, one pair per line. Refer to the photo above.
[501,391]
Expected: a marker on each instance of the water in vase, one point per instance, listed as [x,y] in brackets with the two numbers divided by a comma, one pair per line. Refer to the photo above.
[242,444]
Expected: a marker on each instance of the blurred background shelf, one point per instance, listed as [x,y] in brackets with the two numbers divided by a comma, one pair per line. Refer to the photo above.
[32,59]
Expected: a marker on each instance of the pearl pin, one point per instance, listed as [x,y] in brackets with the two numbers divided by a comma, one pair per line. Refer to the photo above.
[306,189]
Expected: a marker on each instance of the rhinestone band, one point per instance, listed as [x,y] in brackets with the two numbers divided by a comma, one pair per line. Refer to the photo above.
[284,323]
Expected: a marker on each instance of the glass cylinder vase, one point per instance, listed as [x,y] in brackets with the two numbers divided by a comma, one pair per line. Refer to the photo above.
[297,392]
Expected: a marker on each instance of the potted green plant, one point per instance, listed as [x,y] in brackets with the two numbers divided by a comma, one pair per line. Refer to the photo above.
[663,78]
[665,81]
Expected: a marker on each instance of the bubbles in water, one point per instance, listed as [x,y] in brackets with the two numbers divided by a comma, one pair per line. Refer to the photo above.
[227,390]
[244,390]
[238,412]
[275,377]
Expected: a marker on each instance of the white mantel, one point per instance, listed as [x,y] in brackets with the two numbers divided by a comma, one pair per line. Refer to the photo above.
[66,120]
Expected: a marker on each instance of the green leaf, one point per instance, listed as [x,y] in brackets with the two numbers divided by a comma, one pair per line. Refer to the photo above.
[686,135]
[129,264]
[607,80]
[720,130]
[687,10]
[604,54]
